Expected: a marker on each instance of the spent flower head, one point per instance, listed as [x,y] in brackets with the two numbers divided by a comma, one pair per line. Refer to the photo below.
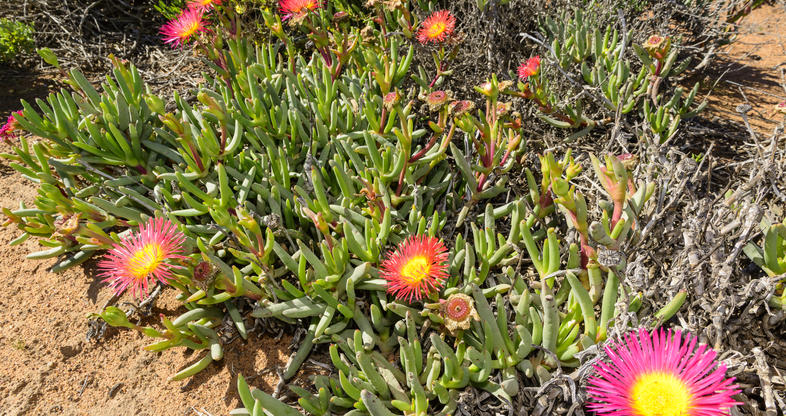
[204,275]
[297,10]
[391,99]
[459,108]
[179,30]
[437,99]
[660,373]
[503,108]
[437,27]
[417,267]
[458,311]
[143,256]
[505,86]
[657,46]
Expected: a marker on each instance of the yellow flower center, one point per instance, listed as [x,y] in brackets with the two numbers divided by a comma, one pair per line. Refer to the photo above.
[416,269]
[145,261]
[190,30]
[660,394]
[436,29]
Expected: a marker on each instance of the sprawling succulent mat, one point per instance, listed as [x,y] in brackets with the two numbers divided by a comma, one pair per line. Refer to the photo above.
[326,179]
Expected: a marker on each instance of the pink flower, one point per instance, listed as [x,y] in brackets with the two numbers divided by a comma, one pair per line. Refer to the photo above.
[203,5]
[416,268]
[529,68]
[7,130]
[179,30]
[133,261]
[437,27]
[297,9]
[661,373]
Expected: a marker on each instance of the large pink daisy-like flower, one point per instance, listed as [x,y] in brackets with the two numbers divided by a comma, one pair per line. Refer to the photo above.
[135,260]
[297,9]
[662,373]
[417,267]
[179,30]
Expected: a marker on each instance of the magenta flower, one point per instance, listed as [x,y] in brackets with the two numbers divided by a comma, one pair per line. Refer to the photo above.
[661,373]
[529,68]
[203,5]
[133,261]
[7,130]
[179,30]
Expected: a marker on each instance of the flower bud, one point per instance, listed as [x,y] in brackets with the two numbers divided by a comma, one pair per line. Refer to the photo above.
[340,16]
[628,160]
[513,143]
[114,316]
[155,103]
[485,88]
[49,57]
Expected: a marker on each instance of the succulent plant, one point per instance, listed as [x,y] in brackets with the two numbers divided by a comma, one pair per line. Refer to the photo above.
[293,172]
[771,257]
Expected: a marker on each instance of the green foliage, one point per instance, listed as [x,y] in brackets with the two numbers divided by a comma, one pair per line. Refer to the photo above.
[771,257]
[16,39]
[291,176]
[579,45]
[170,9]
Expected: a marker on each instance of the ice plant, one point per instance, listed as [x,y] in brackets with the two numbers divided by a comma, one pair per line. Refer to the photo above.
[416,268]
[134,261]
[660,373]
[297,9]
[437,27]
[781,107]
[458,311]
[7,130]
[179,30]
[529,68]
[203,5]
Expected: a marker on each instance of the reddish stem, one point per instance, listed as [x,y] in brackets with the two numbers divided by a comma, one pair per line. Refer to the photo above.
[423,151]
[616,214]
[439,72]
[401,178]
[197,159]
[382,120]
